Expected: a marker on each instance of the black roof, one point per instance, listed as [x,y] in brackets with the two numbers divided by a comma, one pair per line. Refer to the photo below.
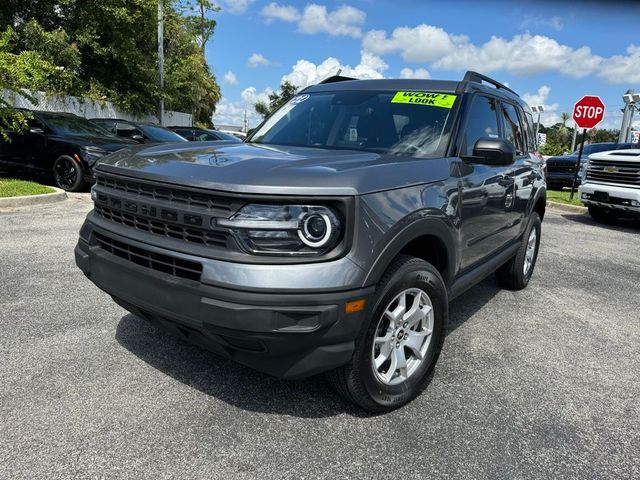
[472,81]
[122,120]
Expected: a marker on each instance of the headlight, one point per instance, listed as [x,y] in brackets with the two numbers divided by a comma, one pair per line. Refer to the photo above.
[582,173]
[92,154]
[303,230]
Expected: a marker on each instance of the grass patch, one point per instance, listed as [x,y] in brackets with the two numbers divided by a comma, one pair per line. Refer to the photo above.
[563,197]
[10,187]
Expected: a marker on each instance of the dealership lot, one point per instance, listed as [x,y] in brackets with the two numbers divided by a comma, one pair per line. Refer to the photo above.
[531,384]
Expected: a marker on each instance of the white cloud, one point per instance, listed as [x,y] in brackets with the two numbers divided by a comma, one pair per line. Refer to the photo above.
[551,115]
[236,7]
[622,68]
[259,60]
[250,95]
[229,112]
[423,43]
[417,73]
[538,21]
[344,20]
[523,54]
[286,13]
[230,78]
[305,73]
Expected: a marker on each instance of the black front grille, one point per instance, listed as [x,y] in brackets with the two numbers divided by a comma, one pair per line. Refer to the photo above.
[612,171]
[160,227]
[155,261]
[561,166]
[175,196]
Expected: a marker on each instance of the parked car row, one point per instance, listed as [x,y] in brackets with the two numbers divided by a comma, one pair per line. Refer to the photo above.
[66,146]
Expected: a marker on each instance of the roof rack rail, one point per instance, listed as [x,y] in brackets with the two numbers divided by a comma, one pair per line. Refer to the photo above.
[471,76]
[335,78]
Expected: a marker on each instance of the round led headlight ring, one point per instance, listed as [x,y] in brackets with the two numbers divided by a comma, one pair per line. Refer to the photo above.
[309,233]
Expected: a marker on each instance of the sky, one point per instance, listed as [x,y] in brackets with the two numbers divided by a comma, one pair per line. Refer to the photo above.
[550,52]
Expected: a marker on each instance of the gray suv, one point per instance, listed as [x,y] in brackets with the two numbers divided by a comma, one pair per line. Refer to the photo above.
[333,240]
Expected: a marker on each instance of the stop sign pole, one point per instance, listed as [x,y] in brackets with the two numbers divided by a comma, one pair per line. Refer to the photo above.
[587,113]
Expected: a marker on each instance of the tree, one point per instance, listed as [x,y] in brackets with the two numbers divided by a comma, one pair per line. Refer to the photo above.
[276,99]
[115,44]
[196,20]
[44,61]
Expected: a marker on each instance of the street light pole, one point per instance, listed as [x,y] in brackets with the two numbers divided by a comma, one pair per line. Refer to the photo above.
[631,101]
[161,60]
[539,109]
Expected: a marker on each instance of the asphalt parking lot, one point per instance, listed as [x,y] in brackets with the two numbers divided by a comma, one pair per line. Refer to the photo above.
[542,383]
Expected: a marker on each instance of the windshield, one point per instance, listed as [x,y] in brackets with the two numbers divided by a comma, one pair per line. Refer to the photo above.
[71,125]
[160,134]
[226,136]
[398,123]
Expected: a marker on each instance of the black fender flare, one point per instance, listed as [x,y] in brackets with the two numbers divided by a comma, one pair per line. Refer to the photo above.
[439,227]
[540,193]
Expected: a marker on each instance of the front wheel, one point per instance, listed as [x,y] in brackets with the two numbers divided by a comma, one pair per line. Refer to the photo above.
[67,174]
[397,350]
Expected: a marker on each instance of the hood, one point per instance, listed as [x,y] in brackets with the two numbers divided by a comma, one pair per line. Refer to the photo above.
[565,158]
[108,143]
[270,169]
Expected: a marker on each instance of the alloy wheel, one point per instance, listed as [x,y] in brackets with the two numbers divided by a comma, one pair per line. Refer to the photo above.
[66,173]
[402,337]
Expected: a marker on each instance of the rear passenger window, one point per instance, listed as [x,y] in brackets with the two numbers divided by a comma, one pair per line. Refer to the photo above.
[482,121]
[512,127]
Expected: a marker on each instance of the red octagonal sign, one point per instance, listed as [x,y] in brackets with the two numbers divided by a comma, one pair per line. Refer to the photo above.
[588,111]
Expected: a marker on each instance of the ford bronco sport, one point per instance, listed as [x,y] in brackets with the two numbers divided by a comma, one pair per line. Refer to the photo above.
[335,238]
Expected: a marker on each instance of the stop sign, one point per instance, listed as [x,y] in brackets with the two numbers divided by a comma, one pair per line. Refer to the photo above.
[588,111]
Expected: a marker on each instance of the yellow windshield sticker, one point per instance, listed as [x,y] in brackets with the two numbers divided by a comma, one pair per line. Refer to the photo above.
[425,98]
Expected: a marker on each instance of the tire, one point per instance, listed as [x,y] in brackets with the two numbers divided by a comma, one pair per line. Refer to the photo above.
[516,273]
[68,174]
[602,215]
[359,380]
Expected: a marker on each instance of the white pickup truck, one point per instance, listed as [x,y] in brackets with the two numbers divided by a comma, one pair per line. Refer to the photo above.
[611,184]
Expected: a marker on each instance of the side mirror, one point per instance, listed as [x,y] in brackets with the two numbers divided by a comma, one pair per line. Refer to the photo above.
[492,151]
[138,138]
[36,130]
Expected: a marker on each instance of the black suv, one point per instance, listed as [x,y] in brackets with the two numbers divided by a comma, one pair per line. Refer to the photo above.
[334,239]
[194,134]
[141,132]
[61,144]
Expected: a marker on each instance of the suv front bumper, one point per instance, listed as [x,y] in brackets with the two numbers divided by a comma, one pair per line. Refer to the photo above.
[289,334]
[610,196]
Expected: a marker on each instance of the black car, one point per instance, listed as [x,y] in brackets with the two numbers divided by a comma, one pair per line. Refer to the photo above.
[62,144]
[333,239]
[194,134]
[561,170]
[141,132]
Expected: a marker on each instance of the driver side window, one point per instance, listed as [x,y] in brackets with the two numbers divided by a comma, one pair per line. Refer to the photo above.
[482,121]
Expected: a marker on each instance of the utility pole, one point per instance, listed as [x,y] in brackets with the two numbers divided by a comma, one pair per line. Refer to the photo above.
[575,134]
[161,60]
[245,124]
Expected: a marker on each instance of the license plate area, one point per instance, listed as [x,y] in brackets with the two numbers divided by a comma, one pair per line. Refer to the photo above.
[601,196]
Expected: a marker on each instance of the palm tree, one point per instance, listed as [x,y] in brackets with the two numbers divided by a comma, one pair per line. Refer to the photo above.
[565,118]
